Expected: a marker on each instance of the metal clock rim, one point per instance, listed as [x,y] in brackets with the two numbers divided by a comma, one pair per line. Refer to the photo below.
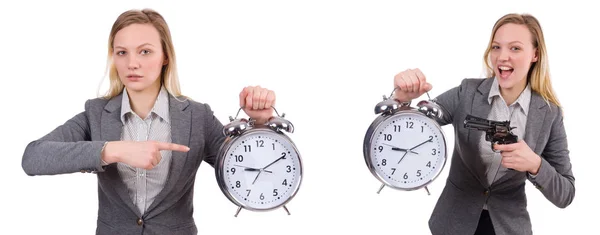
[369,139]
[219,172]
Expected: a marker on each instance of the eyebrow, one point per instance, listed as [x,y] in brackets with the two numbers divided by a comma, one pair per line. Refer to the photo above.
[509,42]
[145,44]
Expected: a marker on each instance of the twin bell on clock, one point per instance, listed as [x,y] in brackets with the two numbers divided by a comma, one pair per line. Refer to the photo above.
[258,167]
[405,147]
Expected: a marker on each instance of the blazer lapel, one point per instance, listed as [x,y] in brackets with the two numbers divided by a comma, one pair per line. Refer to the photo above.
[535,120]
[480,108]
[180,134]
[110,130]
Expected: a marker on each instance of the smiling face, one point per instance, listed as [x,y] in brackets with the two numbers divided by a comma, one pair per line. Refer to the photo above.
[512,53]
[138,57]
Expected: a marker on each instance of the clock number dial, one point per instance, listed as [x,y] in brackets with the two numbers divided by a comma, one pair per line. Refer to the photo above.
[262,170]
[407,150]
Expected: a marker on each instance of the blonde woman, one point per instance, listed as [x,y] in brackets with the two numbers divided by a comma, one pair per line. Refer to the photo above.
[485,190]
[144,139]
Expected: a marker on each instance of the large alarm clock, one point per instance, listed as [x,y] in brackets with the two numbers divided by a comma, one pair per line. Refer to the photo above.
[258,167]
[405,147]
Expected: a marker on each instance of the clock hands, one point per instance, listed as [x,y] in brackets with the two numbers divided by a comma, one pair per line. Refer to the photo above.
[402,157]
[400,149]
[407,150]
[260,170]
[263,169]
[256,177]
[253,169]
[428,140]
[276,160]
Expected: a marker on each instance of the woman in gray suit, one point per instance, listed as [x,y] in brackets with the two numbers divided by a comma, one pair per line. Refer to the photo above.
[485,189]
[144,139]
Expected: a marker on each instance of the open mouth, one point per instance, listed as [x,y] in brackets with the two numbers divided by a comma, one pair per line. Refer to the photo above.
[505,71]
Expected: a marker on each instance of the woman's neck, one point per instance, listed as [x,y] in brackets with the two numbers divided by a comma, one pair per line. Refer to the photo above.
[510,95]
[143,101]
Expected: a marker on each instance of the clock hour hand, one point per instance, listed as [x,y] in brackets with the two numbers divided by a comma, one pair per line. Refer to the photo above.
[400,149]
[252,169]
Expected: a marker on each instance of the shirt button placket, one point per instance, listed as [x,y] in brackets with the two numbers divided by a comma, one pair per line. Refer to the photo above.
[143,173]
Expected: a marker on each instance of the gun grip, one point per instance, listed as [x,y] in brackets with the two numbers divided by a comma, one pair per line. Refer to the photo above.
[498,151]
[492,144]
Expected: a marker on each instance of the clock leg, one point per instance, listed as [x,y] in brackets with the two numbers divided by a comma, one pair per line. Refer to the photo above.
[238,211]
[426,189]
[380,188]
[286,210]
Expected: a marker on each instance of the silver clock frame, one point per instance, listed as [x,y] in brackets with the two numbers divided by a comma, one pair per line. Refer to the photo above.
[247,128]
[389,109]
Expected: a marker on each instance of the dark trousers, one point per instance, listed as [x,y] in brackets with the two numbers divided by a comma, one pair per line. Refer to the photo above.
[485,226]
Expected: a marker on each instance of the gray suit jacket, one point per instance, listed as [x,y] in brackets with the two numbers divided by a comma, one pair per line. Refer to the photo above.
[460,203]
[75,147]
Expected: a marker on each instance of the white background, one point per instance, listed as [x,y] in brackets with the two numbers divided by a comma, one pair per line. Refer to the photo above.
[329,63]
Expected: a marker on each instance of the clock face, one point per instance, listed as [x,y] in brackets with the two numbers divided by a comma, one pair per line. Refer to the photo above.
[407,151]
[261,170]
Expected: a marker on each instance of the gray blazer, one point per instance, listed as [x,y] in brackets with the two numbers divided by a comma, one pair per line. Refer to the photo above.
[75,147]
[460,203]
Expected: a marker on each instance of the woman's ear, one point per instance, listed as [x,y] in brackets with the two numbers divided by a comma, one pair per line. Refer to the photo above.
[166,60]
[535,56]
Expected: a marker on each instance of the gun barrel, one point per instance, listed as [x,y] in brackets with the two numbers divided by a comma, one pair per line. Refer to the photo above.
[478,126]
[473,119]
[477,123]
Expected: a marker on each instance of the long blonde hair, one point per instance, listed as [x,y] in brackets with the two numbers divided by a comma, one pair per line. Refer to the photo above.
[168,76]
[539,72]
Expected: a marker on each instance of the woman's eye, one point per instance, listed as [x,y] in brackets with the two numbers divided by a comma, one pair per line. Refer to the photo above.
[120,53]
[495,47]
[515,48]
[144,52]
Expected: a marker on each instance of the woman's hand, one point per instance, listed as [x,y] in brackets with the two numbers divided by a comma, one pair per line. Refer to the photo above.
[520,157]
[139,154]
[257,103]
[411,84]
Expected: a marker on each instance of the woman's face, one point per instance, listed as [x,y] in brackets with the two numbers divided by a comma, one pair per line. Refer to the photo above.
[138,57]
[512,55]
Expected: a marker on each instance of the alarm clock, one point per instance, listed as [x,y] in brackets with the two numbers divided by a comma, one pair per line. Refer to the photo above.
[405,147]
[258,167]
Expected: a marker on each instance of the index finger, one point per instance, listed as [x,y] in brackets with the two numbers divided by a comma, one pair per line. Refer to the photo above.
[243,95]
[248,98]
[172,147]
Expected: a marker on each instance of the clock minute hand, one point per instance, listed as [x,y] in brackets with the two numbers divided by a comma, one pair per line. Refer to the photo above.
[428,140]
[273,162]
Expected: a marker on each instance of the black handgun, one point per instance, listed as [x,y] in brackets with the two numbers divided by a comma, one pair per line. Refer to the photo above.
[495,131]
